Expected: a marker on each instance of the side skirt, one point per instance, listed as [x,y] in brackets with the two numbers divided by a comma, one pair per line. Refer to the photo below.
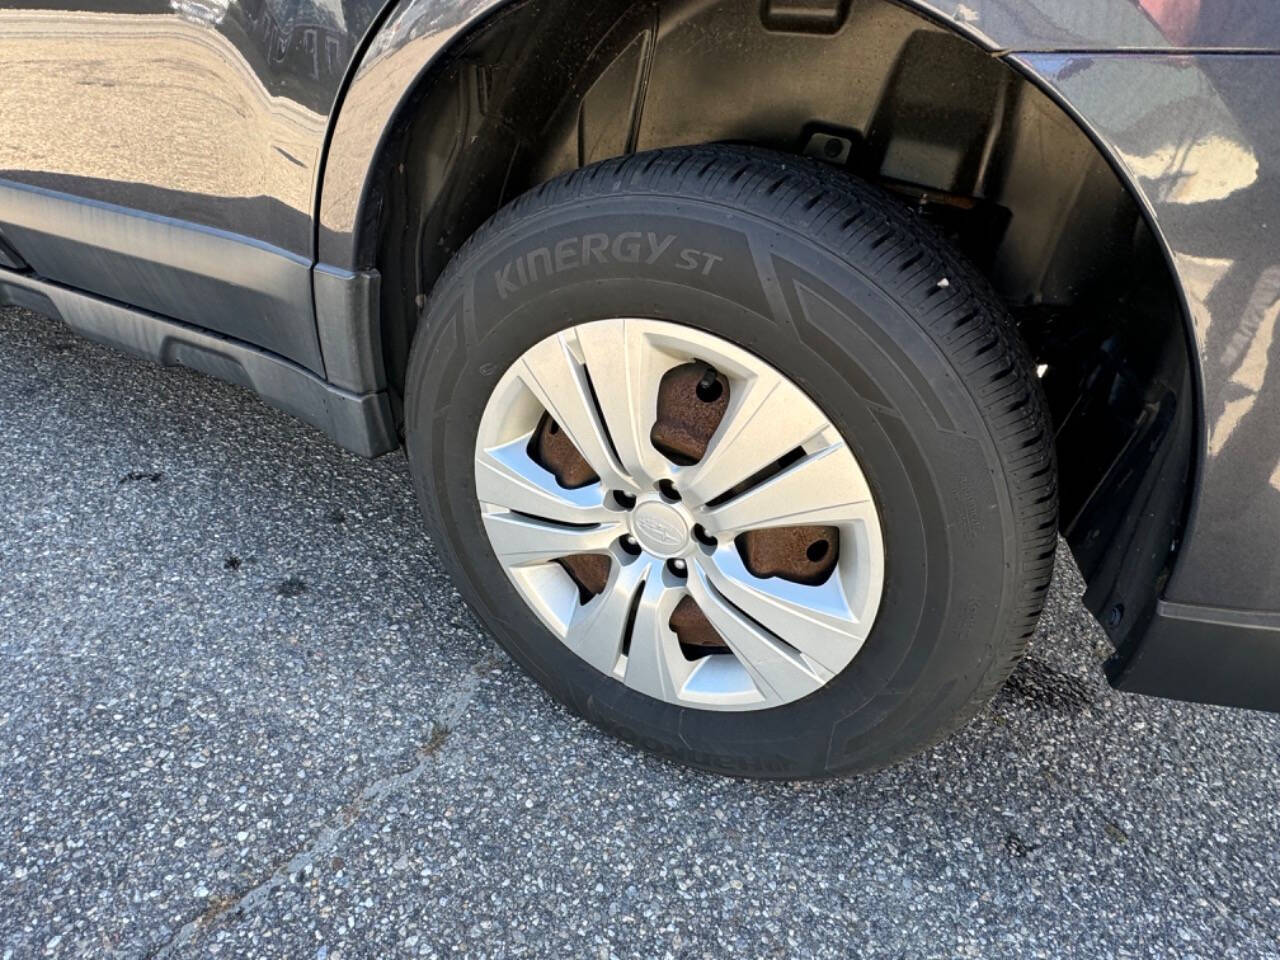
[359,422]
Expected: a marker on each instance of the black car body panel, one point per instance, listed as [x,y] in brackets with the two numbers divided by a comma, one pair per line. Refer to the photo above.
[205,182]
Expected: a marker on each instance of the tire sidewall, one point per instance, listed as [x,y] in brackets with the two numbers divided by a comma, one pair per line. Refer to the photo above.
[819,317]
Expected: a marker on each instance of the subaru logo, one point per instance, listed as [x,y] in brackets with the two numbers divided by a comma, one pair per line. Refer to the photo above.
[652,528]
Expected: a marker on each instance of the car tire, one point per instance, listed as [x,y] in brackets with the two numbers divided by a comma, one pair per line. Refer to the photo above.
[854,301]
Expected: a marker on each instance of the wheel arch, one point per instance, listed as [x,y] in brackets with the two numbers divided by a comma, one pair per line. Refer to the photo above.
[458,107]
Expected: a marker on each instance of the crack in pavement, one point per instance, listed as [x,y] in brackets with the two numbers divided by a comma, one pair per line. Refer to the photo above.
[452,709]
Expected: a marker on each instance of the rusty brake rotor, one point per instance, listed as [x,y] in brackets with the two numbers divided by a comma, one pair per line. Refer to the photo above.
[692,400]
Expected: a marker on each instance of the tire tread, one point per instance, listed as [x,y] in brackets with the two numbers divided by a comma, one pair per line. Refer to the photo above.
[907,259]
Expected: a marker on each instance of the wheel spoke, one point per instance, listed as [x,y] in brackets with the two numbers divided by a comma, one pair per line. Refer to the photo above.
[816,620]
[655,665]
[626,371]
[599,628]
[778,673]
[774,463]
[822,488]
[557,380]
[521,541]
[508,477]
[767,417]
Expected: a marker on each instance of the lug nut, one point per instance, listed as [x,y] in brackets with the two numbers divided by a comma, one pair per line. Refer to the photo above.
[630,544]
[678,567]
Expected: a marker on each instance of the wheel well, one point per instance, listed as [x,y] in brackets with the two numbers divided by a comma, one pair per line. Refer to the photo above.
[546,86]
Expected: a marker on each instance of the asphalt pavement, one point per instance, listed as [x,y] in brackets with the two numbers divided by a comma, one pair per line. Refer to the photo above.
[243,713]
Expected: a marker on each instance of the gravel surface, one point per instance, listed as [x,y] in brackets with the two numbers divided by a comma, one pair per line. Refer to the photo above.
[244,713]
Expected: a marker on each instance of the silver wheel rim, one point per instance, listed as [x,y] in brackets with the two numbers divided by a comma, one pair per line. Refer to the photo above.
[599,383]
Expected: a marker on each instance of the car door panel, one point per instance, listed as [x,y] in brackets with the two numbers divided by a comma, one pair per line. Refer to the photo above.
[209,278]
[166,154]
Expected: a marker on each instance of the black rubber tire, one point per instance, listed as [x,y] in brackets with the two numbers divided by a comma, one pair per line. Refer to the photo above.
[902,344]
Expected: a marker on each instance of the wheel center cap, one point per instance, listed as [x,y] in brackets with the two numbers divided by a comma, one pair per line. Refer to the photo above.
[661,528]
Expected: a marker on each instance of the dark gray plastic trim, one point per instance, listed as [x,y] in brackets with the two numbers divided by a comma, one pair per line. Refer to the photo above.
[211,278]
[1205,655]
[9,257]
[347,322]
[362,423]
